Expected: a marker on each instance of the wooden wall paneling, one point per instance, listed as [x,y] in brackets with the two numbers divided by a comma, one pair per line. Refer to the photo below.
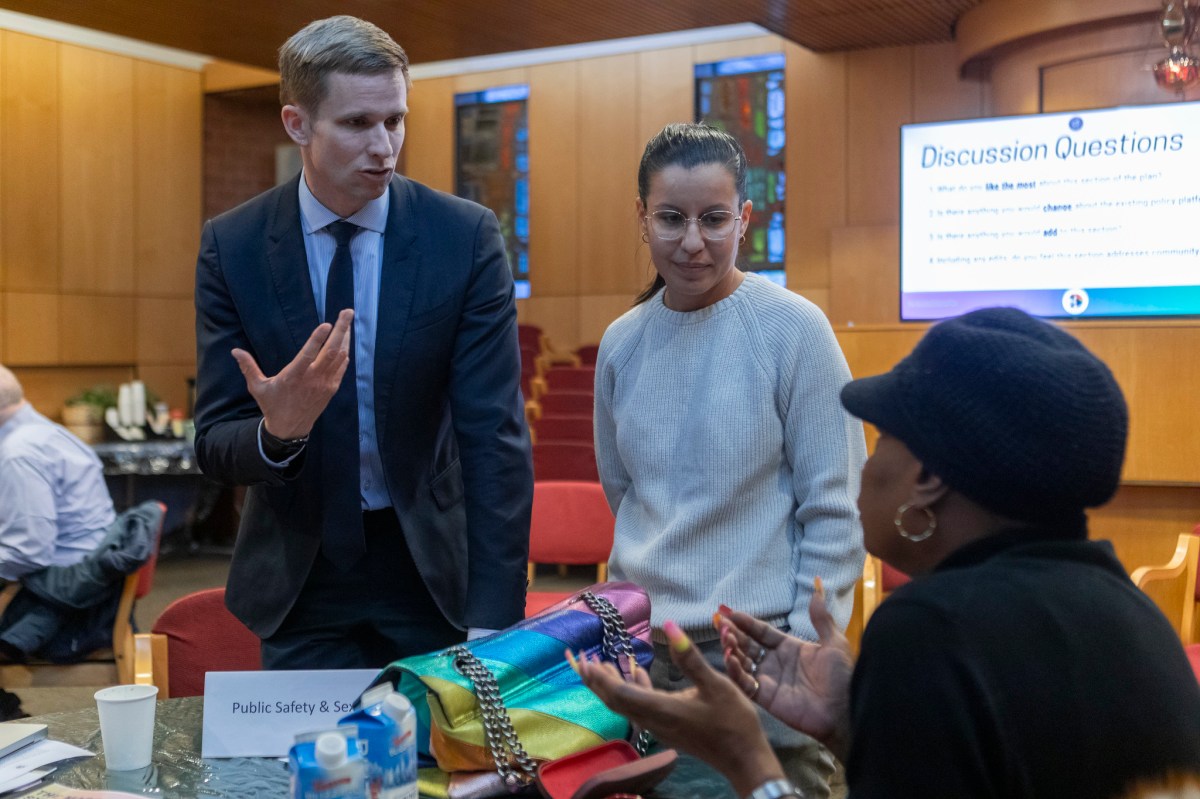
[879,101]
[598,311]
[608,156]
[938,91]
[818,297]
[864,285]
[872,351]
[1016,75]
[95,329]
[554,187]
[816,163]
[168,134]
[558,317]
[48,387]
[429,133]
[3,72]
[1144,522]
[1120,78]
[29,187]
[666,90]
[168,382]
[478,81]
[30,333]
[166,331]
[736,48]
[1154,365]
[97,177]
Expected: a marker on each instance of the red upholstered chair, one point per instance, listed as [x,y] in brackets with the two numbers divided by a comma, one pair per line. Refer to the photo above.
[587,354]
[569,378]
[565,460]
[1193,653]
[891,578]
[571,524]
[575,427]
[530,337]
[196,634]
[567,403]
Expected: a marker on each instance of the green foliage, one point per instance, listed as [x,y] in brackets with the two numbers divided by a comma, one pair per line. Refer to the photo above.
[98,396]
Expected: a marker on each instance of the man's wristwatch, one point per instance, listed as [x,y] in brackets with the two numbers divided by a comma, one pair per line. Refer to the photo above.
[775,789]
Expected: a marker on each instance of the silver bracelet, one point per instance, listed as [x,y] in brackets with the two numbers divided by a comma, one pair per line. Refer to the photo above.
[775,789]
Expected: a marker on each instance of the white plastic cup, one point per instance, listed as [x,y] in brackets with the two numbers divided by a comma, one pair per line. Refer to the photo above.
[127,725]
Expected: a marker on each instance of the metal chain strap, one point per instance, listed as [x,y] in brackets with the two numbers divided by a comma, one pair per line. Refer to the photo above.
[513,763]
[617,642]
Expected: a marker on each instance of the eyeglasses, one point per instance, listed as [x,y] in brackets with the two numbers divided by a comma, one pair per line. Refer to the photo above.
[672,225]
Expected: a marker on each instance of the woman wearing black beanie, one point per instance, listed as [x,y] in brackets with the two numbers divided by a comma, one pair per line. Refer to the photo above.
[1020,661]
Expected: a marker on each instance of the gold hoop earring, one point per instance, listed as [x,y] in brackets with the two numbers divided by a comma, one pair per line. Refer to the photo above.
[930,523]
[645,239]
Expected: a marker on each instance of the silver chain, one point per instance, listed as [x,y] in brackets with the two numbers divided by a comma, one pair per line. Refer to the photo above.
[514,765]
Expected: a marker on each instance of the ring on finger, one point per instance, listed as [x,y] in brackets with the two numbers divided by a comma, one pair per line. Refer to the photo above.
[753,692]
[762,653]
[753,668]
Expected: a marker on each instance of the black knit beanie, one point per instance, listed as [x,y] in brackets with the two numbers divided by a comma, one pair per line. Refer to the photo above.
[1010,411]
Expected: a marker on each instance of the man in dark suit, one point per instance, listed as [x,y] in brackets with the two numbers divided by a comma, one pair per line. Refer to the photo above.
[386,454]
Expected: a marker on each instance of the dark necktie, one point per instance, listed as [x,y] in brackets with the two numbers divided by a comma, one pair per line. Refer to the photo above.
[342,529]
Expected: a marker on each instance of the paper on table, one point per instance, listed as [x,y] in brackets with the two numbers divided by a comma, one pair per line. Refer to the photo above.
[15,769]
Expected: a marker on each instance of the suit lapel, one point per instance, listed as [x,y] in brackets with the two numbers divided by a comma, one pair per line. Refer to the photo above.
[401,261]
[288,262]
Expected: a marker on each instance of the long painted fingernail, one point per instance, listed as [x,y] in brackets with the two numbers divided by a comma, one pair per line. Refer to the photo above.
[677,638]
[725,610]
[571,659]
[819,586]
[717,621]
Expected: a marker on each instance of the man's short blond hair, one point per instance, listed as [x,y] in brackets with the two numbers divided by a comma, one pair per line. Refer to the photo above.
[11,392]
[343,44]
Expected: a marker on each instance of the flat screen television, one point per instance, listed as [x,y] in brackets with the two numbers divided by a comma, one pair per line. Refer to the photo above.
[492,165]
[1079,214]
[745,97]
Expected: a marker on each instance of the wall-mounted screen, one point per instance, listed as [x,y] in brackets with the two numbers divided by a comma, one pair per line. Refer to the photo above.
[492,165]
[1090,213]
[745,97]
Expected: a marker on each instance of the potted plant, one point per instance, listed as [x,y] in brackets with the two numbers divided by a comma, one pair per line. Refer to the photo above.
[83,413]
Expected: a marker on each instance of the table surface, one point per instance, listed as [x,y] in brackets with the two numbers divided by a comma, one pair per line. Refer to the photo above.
[178,771]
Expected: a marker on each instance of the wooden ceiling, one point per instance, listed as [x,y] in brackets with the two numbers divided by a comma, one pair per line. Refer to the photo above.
[250,31]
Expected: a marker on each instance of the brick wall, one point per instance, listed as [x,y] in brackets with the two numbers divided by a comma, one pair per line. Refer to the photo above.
[241,131]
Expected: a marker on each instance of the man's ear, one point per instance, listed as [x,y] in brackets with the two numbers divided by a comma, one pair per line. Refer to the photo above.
[927,490]
[296,123]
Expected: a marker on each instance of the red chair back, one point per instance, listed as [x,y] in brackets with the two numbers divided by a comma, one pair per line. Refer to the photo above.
[1196,531]
[587,354]
[568,403]
[571,523]
[564,428]
[892,578]
[530,336]
[565,460]
[202,635]
[570,378]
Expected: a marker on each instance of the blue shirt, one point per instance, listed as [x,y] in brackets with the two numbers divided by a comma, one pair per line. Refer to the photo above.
[366,248]
[54,505]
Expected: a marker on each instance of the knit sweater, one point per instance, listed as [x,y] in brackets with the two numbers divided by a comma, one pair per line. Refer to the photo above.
[728,460]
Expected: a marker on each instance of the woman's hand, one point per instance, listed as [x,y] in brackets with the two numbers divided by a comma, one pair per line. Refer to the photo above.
[713,720]
[805,685]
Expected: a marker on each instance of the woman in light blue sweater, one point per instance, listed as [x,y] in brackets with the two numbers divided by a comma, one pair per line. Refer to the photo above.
[726,456]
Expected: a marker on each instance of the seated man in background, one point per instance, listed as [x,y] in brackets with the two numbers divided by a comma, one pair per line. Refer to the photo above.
[54,505]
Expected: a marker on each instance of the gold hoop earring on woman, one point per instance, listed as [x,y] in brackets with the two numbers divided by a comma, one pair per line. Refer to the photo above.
[645,239]
[930,523]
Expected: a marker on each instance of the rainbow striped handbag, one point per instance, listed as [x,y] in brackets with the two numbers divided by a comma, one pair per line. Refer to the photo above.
[510,701]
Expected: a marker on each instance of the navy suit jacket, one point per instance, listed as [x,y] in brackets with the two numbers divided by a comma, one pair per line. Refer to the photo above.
[449,412]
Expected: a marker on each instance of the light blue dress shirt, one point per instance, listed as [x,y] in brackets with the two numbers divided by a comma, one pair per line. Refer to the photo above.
[366,248]
[54,505]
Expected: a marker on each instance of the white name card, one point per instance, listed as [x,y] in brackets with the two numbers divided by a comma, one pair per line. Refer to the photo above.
[259,713]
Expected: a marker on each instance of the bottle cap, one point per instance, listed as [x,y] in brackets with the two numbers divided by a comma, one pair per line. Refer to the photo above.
[330,750]
[397,706]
